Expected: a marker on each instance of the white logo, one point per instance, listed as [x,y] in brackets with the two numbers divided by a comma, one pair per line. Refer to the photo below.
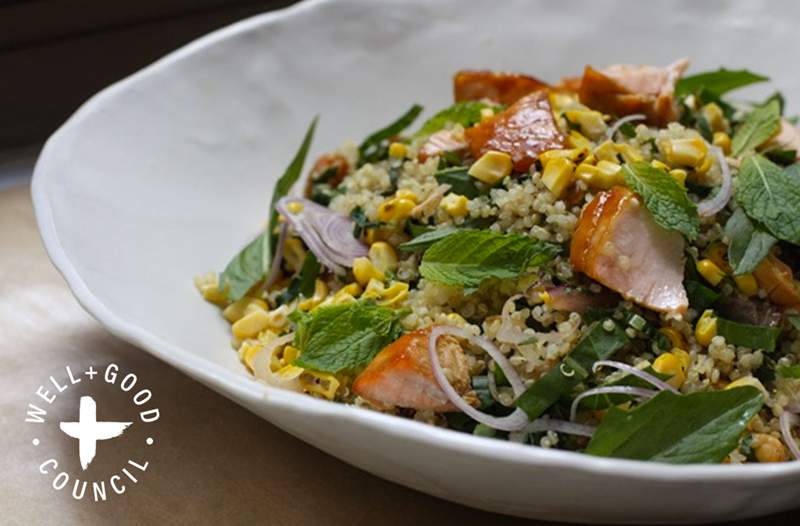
[88,430]
[118,393]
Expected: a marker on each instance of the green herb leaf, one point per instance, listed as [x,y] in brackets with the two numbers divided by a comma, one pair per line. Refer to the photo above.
[666,200]
[627,129]
[344,337]
[746,335]
[466,113]
[750,243]
[700,296]
[788,371]
[375,147]
[361,222]
[794,319]
[249,266]
[759,125]
[460,181]
[469,257]
[771,195]
[678,429]
[597,344]
[425,240]
[308,274]
[781,157]
[716,82]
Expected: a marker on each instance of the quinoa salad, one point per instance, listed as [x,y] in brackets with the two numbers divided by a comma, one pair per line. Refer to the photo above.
[604,264]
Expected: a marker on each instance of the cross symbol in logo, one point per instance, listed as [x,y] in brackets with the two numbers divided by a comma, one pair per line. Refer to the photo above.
[88,430]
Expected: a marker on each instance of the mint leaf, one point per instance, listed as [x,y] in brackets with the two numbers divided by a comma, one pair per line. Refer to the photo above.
[467,113]
[749,243]
[344,337]
[678,429]
[666,200]
[459,180]
[250,265]
[467,258]
[746,335]
[426,239]
[375,147]
[759,125]
[716,82]
[771,195]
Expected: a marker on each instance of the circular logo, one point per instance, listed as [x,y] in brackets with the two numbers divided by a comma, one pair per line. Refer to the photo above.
[92,430]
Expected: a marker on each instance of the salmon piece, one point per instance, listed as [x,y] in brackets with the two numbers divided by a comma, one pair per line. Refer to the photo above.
[401,375]
[523,131]
[787,138]
[503,88]
[619,244]
[439,143]
[776,277]
[625,89]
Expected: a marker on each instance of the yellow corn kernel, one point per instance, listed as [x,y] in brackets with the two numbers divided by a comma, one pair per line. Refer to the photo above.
[749,381]
[404,193]
[679,175]
[320,293]
[295,207]
[486,114]
[603,176]
[767,448]
[723,141]
[340,298]
[655,163]
[706,328]
[714,116]
[247,352]
[686,152]
[456,319]
[560,100]
[669,363]
[383,256]
[746,284]
[557,175]
[364,270]
[590,121]
[577,140]
[236,310]
[573,154]
[323,384]
[684,357]
[208,285]
[491,168]
[675,338]
[278,319]
[705,166]
[606,151]
[545,297]
[294,253]
[395,210]
[629,153]
[290,354]
[254,306]
[374,289]
[394,294]
[718,253]
[455,205]
[710,271]
[397,150]
[250,325]
[354,289]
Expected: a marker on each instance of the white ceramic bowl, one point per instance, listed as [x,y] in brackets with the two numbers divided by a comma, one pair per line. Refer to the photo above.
[168,173]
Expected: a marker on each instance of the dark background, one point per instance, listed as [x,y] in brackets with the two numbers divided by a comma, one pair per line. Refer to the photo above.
[55,54]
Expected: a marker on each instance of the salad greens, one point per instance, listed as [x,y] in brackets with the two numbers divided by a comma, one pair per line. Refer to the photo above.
[466,113]
[759,125]
[746,335]
[375,147]
[459,180]
[770,195]
[749,243]
[717,82]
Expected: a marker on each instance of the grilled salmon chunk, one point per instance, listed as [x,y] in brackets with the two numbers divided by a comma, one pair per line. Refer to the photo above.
[503,88]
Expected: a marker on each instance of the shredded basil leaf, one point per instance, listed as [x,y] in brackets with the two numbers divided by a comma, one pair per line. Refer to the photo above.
[308,274]
[460,181]
[375,147]
[749,243]
[717,82]
[746,335]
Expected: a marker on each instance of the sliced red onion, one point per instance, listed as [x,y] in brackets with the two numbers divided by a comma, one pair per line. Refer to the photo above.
[328,234]
[788,420]
[712,205]
[541,425]
[647,377]
[611,389]
[275,266]
[508,333]
[517,420]
[630,118]
[492,381]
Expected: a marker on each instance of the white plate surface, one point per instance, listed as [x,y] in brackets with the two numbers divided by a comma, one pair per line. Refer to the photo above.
[166,174]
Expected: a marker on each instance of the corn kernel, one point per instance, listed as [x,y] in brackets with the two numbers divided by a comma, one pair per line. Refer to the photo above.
[577,140]
[679,175]
[491,168]
[767,448]
[669,363]
[603,176]
[236,310]
[557,175]
[395,209]
[247,352]
[684,357]
[290,354]
[456,319]
[629,153]
[710,271]
[208,285]
[706,328]
[486,114]
[397,150]
[278,319]
[320,293]
[404,193]
[606,151]
[655,163]
[749,381]
[323,384]
[394,295]
[675,338]
[714,116]
[591,122]
[746,284]
[364,270]
[685,152]
[455,205]
[561,100]
[383,256]
[354,289]
[250,325]
[294,253]
[718,254]
[573,154]
[723,141]
[705,166]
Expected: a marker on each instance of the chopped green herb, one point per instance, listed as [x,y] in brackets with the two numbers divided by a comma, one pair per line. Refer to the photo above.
[361,222]
[749,243]
[771,195]
[700,296]
[425,240]
[717,82]
[781,157]
[375,147]
[758,126]
[250,265]
[308,274]
[628,130]
[678,429]
[746,335]
[794,319]
[468,257]
[788,371]
[466,113]
[460,181]
[666,200]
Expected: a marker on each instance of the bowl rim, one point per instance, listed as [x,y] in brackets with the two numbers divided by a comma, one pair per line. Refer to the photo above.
[238,387]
